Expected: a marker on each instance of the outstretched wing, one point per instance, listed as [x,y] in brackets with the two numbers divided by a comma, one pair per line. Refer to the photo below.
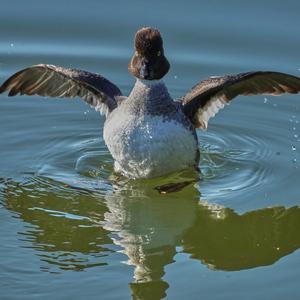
[53,81]
[209,96]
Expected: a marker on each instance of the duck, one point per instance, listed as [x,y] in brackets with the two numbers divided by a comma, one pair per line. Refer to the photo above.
[148,133]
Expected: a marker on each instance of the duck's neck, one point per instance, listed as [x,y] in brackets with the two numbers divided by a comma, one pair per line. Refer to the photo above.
[150,91]
[150,83]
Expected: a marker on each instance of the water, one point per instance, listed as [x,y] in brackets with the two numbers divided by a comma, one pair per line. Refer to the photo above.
[70,229]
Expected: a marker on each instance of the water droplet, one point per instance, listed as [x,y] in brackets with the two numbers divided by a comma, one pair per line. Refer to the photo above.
[295,135]
[175,77]
[12,45]
[265,100]
[293,148]
[294,160]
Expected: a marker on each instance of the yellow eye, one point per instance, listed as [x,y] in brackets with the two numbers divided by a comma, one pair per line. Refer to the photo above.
[158,53]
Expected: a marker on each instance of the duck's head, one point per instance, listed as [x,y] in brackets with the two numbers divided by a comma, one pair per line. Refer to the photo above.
[148,62]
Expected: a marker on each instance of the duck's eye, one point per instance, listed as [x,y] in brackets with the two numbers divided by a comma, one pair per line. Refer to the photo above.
[158,53]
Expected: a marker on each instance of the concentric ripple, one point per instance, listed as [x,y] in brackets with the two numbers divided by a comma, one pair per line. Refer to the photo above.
[79,162]
[233,162]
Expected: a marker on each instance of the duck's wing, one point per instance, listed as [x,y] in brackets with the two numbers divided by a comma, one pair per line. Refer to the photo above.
[209,96]
[54,81]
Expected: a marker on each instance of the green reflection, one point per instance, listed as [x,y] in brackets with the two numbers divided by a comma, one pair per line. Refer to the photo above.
[65,224]
[75,230]
[224,240]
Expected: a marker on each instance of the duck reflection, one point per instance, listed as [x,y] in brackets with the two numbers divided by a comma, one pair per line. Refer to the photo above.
[63,225]
[224,240]
[149,228]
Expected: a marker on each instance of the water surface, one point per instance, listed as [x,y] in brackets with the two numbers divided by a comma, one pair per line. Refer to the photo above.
[71,229]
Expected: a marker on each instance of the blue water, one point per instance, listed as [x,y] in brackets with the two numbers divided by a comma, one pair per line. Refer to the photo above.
[68,232]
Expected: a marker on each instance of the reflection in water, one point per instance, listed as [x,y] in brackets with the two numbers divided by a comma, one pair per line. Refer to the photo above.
[149,228]
[65,227]
[75,230]
[224,240]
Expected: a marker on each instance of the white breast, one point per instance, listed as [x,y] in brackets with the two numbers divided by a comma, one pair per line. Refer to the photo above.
[146,146]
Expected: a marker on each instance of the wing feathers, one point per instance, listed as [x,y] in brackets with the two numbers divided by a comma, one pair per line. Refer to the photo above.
[209,96]
[52,81]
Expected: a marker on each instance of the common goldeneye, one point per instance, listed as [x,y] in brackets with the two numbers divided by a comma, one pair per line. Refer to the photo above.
[148,133]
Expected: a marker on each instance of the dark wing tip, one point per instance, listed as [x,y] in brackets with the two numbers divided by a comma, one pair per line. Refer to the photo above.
[4,86]
[8,85]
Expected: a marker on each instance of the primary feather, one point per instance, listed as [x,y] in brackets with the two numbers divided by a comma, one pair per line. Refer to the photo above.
[210,95]
[54,81]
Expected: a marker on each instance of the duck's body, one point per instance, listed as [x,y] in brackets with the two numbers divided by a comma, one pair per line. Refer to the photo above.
[148,134]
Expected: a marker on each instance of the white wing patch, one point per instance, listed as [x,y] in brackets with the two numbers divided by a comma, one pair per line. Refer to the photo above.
[210,110]
[94,103]
[102,108]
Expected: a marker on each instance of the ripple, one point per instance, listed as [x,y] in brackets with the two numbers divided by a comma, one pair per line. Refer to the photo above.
[230,162]
[82,163]
[234,162]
